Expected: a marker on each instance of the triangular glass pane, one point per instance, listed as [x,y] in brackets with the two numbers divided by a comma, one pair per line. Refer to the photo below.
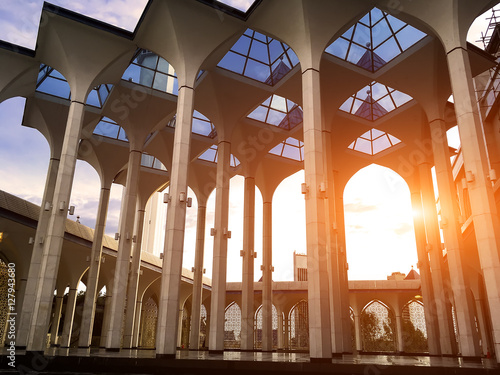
[395,23]
[400,98]
[408,36]
[366,19]
[260,37]
[393,139]
[362,145]
[346,106]
[276,150]
[362,35]
[380,32]
[378,91]
[348,33]
[376,133]
[351,146]
[388,50]
[292,141]
[376,15]
[366,135]
[338,48]
[355,53]
[242,45]
[259,114]
[267,101]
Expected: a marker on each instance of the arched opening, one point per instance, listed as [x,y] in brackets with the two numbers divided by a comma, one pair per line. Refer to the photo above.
[258,327]
[232,327]
[378,328]
[413,326]
[298,321]
[380,237]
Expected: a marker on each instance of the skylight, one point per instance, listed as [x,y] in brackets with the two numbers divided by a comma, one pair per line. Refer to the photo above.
[374,141]
[279,112]
[211,155]
[374,101]
[374,40]
[259,57]
[150,70]
[243,5]
[290,148]
[110,129]
[201,125]
[150,161]
[51,82]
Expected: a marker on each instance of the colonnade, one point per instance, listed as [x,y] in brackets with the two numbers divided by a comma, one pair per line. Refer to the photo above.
[327,269]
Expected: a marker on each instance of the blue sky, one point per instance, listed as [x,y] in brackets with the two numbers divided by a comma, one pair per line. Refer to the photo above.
[379,224]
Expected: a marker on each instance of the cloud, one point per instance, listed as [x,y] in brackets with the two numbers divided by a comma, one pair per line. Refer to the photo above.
[359,207]
[403,228]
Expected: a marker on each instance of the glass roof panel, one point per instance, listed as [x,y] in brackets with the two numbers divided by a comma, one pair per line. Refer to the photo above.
[374,101]
[210,154]
[279,112]
[290,148]
[150,161]
[373,142]
[150,70]
[259,57]
[110,129]
[51,82]
[243,5]
[374,40]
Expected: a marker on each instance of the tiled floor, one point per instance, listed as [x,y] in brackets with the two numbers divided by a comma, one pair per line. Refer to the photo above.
[377,363]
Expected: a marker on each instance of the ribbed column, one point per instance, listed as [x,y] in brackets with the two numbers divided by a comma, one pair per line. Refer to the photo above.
[433,247]
[267,277]
[127,214]
[133,281]
[55,231]
[317,274]
[89,303]
[399,331]
[247,290]
[357,332]
[484,211]
[194,335]
[26,313]
[430,306]
[56,319]
[219,269]
[137,324]
[69,318]
[168,311]
[106,316]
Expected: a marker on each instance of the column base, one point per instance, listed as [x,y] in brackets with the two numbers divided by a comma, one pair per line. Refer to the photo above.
[476,359]
[215,351]
[165,356]
[321,360]
[115,350]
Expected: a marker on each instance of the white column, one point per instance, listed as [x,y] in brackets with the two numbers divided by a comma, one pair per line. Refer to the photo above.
[441,305]
[133,281]
[106,316]
[55,231]
[194,335]
[399,330]
[56,319]
[320,346]
[168,311]
[247,290]
[267,274]
[137,324]
[68,318]
[431,323]
[219,269]
[93,272]
[122,266]
[484,211]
